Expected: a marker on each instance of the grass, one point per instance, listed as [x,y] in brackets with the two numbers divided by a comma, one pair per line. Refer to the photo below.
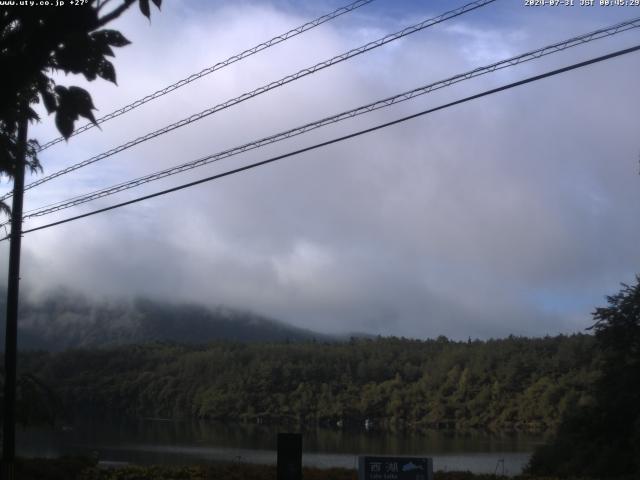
[77,468]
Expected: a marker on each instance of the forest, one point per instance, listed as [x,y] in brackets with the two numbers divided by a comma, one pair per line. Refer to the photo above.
[498,385]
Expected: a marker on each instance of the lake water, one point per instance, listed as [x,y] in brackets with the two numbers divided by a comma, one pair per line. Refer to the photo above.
[183,442]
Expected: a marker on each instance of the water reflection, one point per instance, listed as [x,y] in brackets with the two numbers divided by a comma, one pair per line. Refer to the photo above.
[160,441]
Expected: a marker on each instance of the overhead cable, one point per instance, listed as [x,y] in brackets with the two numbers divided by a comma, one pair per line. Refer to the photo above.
[340,139]
[224,63]
[266,88]
[522,58]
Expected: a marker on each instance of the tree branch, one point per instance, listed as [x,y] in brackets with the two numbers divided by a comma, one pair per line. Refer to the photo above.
[115,13]
[101,4]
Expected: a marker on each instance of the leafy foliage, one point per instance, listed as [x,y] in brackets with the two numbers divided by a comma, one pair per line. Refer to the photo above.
[36,402]
[509,384]
[603,438]
[64,468]
[36,42]
[84,469]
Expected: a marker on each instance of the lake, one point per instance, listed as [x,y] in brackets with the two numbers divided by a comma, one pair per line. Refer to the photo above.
[182,442]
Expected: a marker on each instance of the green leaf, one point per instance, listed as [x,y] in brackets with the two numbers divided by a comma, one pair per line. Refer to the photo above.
[106,50]
[32,160]
[74,54]
[32,115]
[112,37]
[64,122]
[72,102]
[49,100]
[144,8]
[82,102]
[107,71]
[6,157]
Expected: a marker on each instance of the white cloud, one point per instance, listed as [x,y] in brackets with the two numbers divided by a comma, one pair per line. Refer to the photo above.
[447,224]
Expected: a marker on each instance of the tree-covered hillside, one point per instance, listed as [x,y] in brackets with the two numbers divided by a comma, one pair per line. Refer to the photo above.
[514,383]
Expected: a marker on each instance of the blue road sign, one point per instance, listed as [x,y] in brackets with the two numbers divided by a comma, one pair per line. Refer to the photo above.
[395,468]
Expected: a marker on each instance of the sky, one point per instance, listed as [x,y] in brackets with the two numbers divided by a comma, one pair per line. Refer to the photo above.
[513,214]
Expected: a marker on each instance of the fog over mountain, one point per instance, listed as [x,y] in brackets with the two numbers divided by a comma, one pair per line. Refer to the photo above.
[61,320]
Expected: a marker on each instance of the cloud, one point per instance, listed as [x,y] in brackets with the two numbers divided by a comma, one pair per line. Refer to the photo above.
[516,213]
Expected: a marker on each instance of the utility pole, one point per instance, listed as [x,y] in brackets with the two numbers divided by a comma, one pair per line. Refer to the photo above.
[11,338]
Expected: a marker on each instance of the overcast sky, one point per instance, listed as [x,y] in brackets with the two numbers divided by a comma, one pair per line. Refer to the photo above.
[513,214]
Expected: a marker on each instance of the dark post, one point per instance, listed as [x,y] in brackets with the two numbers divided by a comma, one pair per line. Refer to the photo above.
[289,456]
[11,338]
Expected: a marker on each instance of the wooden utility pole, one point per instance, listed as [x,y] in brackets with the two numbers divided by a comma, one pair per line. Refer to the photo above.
[11,336]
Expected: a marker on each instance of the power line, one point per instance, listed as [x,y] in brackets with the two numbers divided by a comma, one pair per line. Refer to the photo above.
[525,57]
[278,83]
[224,63]
[342,138]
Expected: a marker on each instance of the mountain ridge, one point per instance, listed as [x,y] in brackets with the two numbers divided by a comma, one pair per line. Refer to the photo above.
[61,320]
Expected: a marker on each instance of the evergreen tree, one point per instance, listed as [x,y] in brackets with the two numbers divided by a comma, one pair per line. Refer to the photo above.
[603,438]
